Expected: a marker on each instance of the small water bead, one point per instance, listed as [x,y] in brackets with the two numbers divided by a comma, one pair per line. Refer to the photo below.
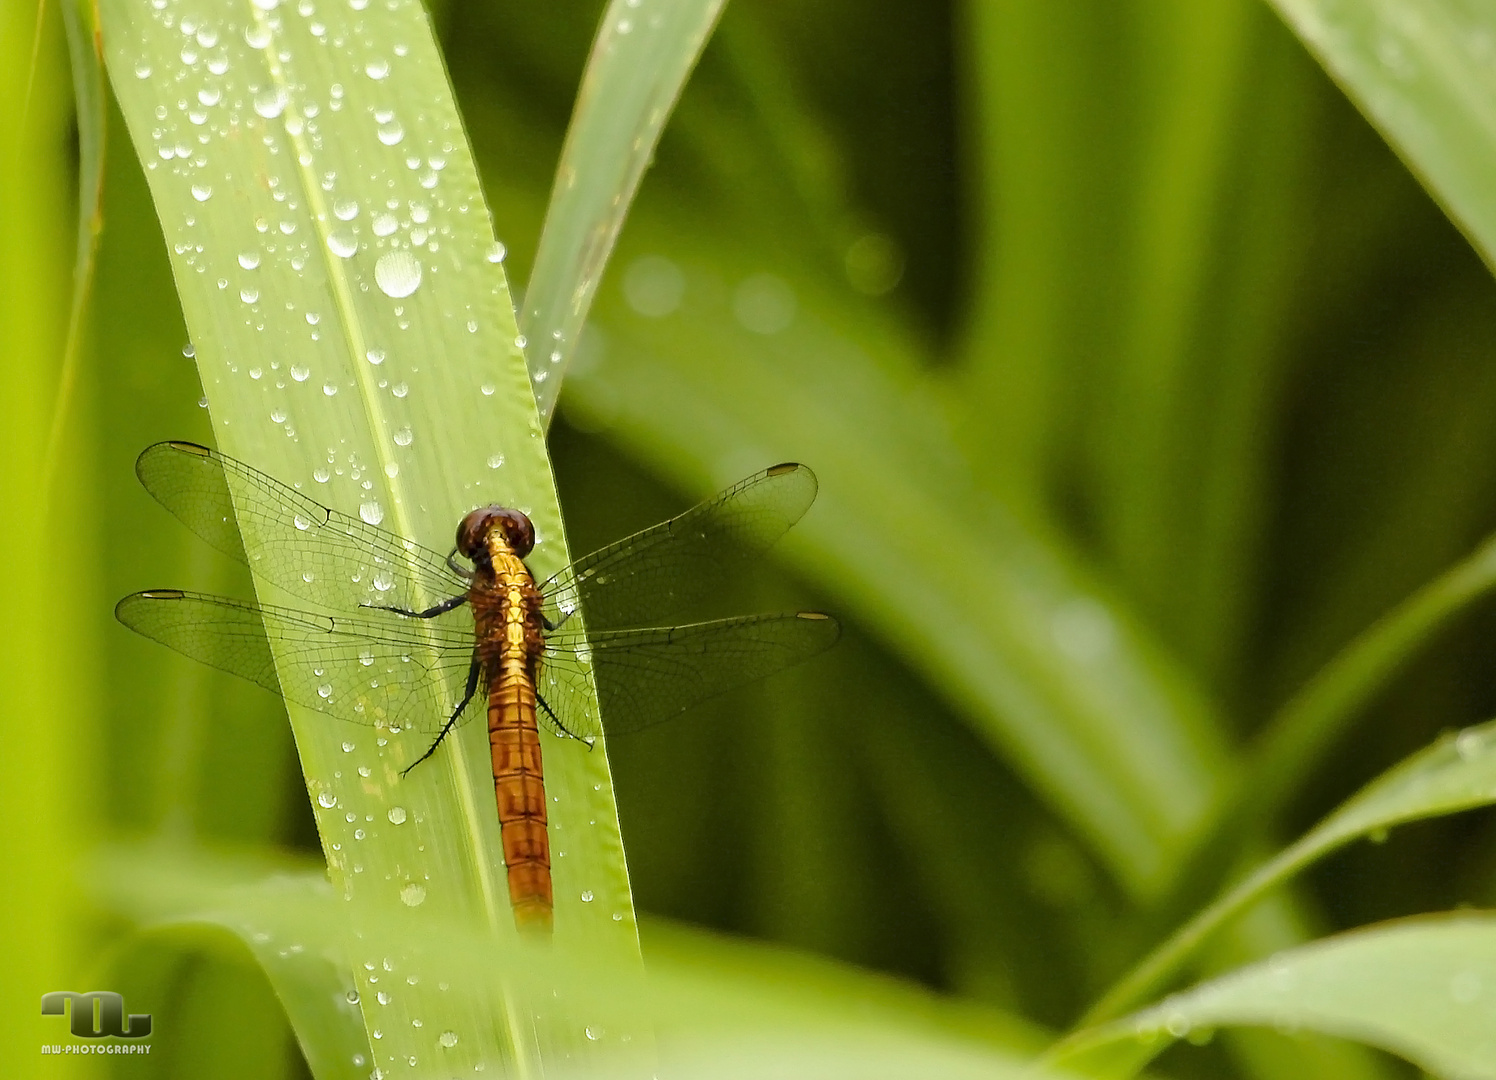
[210,96]
[487,389]
[413,894]
[342,244]
[384,581]
[249,259]
[327,800]
[352,997]
[270,103]
[586,896]
[300,372]
[404,436]
[256,36]
[520,341]
[363,770]
[321,475]
[359,834]
[256,372]
[448,1038]
[345,209]
[278,416]
[397,815]
[329,389]
[385,224]
[375,356]
[142,69]
[398,274]
[594,1033]
[392,133]
[377,69]
[372,514]
[349,747]
[383,997]
[202,192]
[400,389]
[313,318]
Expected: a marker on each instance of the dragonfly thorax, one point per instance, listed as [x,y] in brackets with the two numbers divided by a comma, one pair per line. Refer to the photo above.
[474,531]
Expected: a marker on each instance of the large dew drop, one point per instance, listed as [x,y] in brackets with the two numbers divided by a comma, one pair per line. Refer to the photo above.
[398,274]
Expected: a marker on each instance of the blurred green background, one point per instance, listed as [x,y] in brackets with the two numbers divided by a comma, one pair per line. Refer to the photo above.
[1127,289]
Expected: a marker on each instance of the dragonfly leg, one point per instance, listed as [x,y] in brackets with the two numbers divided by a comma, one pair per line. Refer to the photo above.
[557,724]
[430,613]
[456,567]
[474,671]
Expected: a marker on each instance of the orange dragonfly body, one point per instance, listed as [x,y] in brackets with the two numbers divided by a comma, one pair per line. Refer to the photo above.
[384,655]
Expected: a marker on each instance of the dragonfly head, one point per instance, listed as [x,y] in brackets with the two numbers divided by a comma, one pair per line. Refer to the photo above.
[473,532]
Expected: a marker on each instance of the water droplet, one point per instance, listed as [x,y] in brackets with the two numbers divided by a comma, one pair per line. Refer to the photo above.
[352,997]
[400,389]
[403,436]
[202,192]
[383,997]
[329,389]
[348,747]
[383,580]
[391,470]
[257,37]
[390,134]
[300,522]
[375,356]
[1469,744]
[324,690]
[345,209]
[300,372]
[488,389]
[497,252]
[249,259]
[413,894]
[448,1038]
[327,800]
[189,350]
[398,274]
[372,513]
[270,103]
[249,294]
[377,69]
[142,69]
[586,896]
[321,475]
[210,96]
[397,815]
[385,224]
[342,244]
[594,1033]
[495,460]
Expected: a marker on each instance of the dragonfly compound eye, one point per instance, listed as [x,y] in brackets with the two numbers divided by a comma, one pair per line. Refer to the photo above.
[473,532]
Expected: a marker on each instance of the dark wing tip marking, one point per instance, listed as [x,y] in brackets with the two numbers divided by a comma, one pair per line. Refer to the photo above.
[186,447]
[158,594]
[783,467]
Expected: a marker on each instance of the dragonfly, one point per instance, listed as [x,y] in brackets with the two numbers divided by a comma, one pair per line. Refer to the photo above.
[394,651]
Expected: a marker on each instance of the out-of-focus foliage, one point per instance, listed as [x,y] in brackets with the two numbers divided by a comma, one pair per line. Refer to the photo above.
[1141,377]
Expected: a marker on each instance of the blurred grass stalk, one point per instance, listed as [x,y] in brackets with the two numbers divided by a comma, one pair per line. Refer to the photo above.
[45,793]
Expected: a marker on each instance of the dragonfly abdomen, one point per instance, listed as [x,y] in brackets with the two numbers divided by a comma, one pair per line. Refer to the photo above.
[510,605]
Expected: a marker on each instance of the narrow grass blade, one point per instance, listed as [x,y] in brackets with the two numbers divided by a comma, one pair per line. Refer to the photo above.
[644,51]
[1420,988]
[1421,71]
[1310,724]
[1456,773]
[79,17]
[355,337]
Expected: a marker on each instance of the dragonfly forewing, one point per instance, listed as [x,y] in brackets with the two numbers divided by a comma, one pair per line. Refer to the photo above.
[323,555]
[655,573]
